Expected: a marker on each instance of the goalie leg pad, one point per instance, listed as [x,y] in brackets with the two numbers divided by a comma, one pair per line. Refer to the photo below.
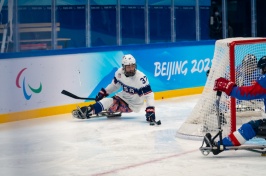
[262,129]
[255,124]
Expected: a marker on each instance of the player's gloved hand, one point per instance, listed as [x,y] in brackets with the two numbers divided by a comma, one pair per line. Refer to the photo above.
[224,85]
[150,114]
[101,95]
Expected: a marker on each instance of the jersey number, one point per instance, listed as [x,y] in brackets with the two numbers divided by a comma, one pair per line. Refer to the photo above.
[143,80]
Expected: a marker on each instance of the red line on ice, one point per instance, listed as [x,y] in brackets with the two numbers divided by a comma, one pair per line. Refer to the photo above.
[144,163]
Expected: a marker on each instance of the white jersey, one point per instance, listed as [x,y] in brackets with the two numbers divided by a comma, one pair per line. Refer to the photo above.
[136,89]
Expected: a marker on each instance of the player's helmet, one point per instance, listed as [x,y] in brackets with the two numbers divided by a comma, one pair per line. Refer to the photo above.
[262,64]
[249,64]
[128,59]
[250,60]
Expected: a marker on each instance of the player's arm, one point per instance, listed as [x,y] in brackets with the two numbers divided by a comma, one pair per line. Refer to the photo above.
[150,108]
[256,91]
[149,98]
[112,87]
[146,91]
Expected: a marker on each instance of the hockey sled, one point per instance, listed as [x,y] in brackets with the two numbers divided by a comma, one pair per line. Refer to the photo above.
[253,148]
[107,114]
[101,114]
[210,145]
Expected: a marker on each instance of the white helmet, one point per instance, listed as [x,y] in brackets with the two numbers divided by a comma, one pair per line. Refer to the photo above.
[250,60]
[128,59]
[249,64]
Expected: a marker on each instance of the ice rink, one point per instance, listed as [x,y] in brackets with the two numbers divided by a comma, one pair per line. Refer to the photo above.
[125,146]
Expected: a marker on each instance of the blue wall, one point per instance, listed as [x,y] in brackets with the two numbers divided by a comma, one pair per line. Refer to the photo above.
[169,66]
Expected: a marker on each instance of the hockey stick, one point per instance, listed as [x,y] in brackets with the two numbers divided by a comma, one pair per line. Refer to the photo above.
[219,134]
[75,96]
[206,150]
[154,122]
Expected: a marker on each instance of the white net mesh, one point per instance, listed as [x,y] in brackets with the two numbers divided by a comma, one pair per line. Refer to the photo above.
[204,116]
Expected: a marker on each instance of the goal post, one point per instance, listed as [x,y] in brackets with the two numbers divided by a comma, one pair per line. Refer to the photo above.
[234,59]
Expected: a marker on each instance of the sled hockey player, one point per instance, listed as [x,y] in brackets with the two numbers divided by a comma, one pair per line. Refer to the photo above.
[135,90]
[248,130]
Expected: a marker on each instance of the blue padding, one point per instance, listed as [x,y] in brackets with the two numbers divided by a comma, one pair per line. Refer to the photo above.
[247,131]
[98,107]
[227,142]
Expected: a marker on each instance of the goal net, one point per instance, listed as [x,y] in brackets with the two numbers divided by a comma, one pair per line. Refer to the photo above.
[234,59]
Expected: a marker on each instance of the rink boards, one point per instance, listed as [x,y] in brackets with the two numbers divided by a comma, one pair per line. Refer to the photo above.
[32,84]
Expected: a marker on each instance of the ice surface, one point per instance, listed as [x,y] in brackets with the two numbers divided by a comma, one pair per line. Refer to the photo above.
[125,146]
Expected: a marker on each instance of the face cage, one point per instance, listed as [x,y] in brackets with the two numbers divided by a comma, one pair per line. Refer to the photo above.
[129,74]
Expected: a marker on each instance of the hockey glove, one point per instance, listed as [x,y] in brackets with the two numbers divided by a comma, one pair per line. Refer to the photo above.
[150,114]
[224,85]
[101,95]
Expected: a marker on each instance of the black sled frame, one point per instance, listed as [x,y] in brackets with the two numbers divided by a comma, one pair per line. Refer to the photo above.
[104,113]
[209,144]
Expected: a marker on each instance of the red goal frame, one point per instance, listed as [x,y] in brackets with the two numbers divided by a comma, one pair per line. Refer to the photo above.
[232,46]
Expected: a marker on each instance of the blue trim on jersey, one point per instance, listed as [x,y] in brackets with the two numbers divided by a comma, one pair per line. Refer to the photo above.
[145,90]
[262,81]
[115,80]
[132,90]
[256,91]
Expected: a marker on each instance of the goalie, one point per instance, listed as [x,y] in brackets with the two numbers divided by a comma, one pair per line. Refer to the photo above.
[248,130]
[136,90]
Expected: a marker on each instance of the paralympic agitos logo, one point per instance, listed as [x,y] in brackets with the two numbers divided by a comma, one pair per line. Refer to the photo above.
[26,94]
